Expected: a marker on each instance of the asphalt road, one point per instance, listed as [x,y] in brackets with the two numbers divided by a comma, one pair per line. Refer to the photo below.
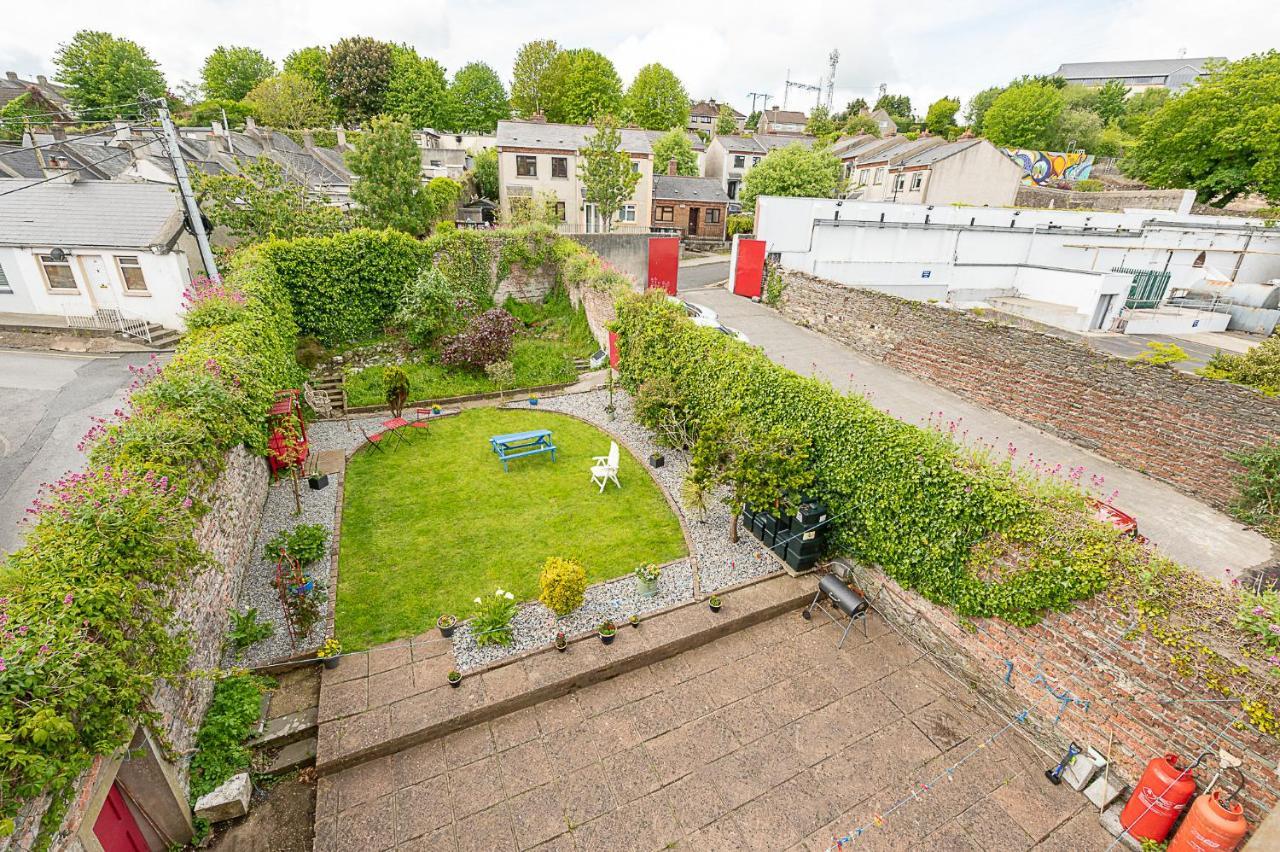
[47,402]
[693,277]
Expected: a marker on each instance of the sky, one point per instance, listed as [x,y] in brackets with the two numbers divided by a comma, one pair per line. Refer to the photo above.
[924,49]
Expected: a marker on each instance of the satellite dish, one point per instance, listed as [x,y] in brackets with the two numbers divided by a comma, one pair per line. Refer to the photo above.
[58,255]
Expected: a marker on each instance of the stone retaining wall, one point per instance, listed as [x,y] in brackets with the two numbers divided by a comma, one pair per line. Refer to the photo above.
[1176,427]
[1114,201]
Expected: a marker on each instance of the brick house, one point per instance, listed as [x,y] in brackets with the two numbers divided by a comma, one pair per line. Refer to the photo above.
[694,206]
[703,115]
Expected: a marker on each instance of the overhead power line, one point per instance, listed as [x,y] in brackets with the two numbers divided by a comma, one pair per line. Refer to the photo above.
[64,141]
[63,174]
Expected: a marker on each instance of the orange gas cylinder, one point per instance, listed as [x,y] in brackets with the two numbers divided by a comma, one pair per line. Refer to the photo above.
[1210,826]
[1159,797]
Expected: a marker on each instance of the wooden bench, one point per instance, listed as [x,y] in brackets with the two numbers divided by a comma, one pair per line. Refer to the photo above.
[519,444]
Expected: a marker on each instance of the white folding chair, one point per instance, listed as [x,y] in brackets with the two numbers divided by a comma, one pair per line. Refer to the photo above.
[605,469]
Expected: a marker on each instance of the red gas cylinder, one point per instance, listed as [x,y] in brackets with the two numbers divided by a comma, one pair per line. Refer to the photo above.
[1159,797]
[1210,826]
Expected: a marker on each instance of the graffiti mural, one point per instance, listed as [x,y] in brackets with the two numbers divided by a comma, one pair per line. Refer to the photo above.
[1045,168]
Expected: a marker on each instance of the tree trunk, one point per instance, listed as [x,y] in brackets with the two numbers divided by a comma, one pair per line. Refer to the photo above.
[733,528]
[297,491]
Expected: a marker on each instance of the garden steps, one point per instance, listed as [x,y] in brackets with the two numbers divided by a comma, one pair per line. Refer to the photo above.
[283,730]
[384,700]
[292,756]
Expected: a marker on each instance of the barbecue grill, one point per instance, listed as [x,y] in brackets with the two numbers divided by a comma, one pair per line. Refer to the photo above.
[841,599]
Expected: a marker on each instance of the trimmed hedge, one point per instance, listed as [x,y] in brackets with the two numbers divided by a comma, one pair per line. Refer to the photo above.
[958,527]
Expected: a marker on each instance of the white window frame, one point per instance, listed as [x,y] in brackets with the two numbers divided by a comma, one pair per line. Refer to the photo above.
[627,213]
[44,273]
[899,183]
[878,178]
[6,287]
[124,278]
[739,161]
[917,181]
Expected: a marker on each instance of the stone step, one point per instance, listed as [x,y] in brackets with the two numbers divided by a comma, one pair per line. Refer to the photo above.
[361,721]
[283,730]
[292,756]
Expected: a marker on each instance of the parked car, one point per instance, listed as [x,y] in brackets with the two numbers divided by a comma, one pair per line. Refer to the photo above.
[707,318]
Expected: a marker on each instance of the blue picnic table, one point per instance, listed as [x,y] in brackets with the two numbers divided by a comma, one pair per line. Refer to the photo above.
[519,444]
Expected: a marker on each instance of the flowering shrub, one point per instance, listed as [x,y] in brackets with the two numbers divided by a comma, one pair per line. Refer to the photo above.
[207,302]
[1260,615]
[563,585]
[486,339]
[491,622]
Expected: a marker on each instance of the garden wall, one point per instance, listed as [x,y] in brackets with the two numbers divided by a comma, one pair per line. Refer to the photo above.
[1088,653]
[627,253]
[1114,200]
[1170,425]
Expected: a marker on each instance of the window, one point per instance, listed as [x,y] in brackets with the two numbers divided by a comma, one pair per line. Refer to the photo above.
[58,273]
[666,214]
[739,161]
[635,165]
[731,189]
[560,208]
[627,213]
[5,286]
[862,176]
[131,272]
[879,178]
[755,161]
[899,183]
[559,167]
[526,166]
[917,180]
[713,215]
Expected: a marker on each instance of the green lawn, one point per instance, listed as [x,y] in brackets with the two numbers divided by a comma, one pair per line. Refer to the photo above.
[428,526]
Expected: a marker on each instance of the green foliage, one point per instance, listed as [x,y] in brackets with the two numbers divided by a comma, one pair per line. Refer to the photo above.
[530,76]
[562,584]
[1110,103]
[101,71]
[387,164]
[793,170]
[1076,130]
[466,259]
[656,99]
[220,744]
[311,63]
[207,112]
[1089,185]
[484,173]
[1258,368]
[976,112]
[501,373]
[417,92]
[858,124]
[1258,501]
[360,71]
[675,144]
[1160,355]
[898,106]
[774,285]
[477,99]
[1139,108]
[941,117]
[261,203]
[1024,116]
[605,170]
[431,307]
[288,100]
[395,388]
[726,124]
[491,621]
[247,630]
[305,543]
[581,85]
[18,113]
[230,73]
[741,223]
[1260,615]
[820,123]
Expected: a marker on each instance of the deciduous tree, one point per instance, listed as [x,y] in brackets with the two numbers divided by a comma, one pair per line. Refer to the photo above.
[287,100]
[940,120]
[360,71]
[675,145]
[102,71]
[656,99]
[820,123]
[230,73]
[388,168]
[1024,116]
[978,106]
[477,100]
[859,123]
[484,173]
[794,170]
[606,170]
[581,85]
[417,92]
[1111,101]
[311,63]
[726,124]
[261,203]
[529,76]
[898,106]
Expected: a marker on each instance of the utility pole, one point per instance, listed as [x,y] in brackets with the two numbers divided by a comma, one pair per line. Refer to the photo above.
[832,60]
[184,183]
[754,95]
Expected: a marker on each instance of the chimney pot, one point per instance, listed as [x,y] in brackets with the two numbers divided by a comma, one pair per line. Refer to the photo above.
[342,138]
[672,171]
[538,118]
[42,80]
[12,75]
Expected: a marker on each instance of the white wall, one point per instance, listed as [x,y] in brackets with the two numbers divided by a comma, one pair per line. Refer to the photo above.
[569,189]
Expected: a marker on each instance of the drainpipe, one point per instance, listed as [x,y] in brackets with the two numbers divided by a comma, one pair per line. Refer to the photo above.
[1240,258]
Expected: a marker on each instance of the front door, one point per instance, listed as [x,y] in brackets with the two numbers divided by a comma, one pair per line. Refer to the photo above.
[98,279]
[693,220]
[115,828]
[1100,314]
[594,224]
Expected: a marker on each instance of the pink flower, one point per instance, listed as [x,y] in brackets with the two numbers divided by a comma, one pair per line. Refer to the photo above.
[3,667]
[68,599]
[45,649]
[1257,610]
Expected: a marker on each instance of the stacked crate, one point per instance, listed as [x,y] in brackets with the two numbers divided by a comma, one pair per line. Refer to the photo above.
[797,538]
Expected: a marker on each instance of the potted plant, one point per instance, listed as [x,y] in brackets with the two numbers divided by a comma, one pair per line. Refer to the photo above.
[533,400]
[606,631]
[647,579]
[397,390]
[561,642]
[657,460]
[303,588]
[447,624]
[435,411]
[455,678]
[635,620]
[715,603]
[330,651]
[318,481]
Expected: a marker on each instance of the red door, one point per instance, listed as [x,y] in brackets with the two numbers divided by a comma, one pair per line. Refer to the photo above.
[748,271]
[116,829]
[664,263]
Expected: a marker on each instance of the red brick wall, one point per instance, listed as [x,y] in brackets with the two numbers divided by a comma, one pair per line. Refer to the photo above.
[1086,653]
[1170,425]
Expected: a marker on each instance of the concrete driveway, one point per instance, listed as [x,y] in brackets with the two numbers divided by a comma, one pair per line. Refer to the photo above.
[1186,529]
[48,400]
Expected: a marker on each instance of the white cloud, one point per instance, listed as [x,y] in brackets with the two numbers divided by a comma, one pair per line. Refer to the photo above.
[924,49]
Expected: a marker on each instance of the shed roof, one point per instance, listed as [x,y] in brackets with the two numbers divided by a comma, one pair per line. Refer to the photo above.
[674,188]
[92,214]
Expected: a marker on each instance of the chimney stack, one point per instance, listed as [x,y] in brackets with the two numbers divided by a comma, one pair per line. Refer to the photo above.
[672,171]
[308,140]
[42,80]
[57,168]
[123,133]
[12,75]
[538,118]
[59,132]
[342,138]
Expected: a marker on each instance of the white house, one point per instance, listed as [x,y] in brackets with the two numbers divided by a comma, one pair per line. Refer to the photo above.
[95,253]
[966,171]
[729,158]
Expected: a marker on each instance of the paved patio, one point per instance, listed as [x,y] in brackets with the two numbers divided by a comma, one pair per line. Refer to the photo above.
[768,738]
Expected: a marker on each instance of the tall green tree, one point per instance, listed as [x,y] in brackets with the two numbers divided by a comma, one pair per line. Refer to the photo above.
[207,112]
[261,203]
[605,170]
[388,168]
[794,170]
[1220,137]
[1076,130]
[1024,116]
[102,71]
[287,100]
[230,73]
[418,91]
[580,86]
[311,63]
[360,71]
[1111,101]
[529,76]
[656,99]
[675,144]
[940,120]
[978,106]
[820,123]
[851,109]
[726,124]
[484,173]
[898,106]
[477,100]
[858,123]
[1141,107]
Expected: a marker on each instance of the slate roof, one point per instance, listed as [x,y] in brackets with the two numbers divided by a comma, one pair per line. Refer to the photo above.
[712,109]
[903,149]
[941,152]
[1131,68]
[785,116]
[88,214]
[740,144]
[564,137]
[769,141]
[12,87]
[694,139]
[669,188]
[95,162]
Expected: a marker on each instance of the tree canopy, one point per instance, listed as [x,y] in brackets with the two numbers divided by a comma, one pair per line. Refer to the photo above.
[260,203]
[1220,137]
[582,85]
[360,70]
[675,144]
[978,106]
[859,123]
[726,124]
[417,90]
[1024,116]
[606,170]
[898,106]
[477,100]
[529,76]
[311,63]
[1110,103]
[388,167]
[287,100]
[940,120]
[794,170]
[820,123]
[102,71]
[484,173]
[230,73]
[656,99]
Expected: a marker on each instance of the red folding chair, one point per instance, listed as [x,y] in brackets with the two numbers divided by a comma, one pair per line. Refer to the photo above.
[422,419]
[374,440]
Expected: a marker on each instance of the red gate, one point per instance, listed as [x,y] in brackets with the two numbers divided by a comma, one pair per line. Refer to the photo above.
[115,828]
[748,268]
[664,263]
